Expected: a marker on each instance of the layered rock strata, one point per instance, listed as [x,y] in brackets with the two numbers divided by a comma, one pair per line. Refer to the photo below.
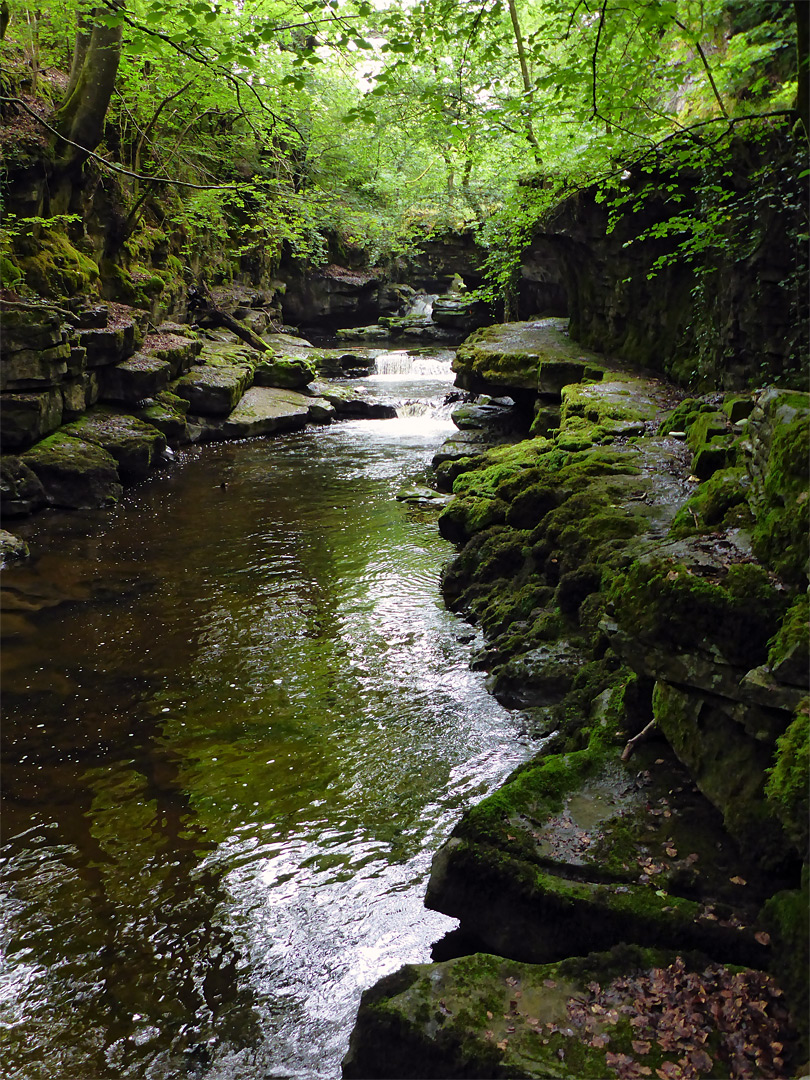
[644,604]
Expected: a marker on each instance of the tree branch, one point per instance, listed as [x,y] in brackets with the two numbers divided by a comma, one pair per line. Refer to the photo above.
[706,68]
[109,164]
[602,11]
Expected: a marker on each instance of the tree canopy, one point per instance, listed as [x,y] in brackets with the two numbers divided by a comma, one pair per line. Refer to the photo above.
[289,121]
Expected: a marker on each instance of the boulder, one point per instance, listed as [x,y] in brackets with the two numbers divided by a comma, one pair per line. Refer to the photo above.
[629,1012]
[74,474]
[581,851]
[108,345]
[142,376]
[265,411]
[517,358]
[134,444]
[25,418]
[291,374]
[214,391]
[21,493]
[12,548]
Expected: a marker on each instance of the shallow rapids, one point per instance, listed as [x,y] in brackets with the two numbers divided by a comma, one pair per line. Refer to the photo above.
[238,721]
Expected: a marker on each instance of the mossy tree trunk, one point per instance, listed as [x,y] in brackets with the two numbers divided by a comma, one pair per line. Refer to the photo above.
[81,116]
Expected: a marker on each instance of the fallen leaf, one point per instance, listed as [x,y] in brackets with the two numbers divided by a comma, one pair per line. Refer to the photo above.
[550,983]
[502,1044]
[489,1015]
[762,937]
[641,1046]
[600,1040]
[737,880]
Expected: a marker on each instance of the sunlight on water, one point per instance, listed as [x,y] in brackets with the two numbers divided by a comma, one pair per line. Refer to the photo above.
[238,723]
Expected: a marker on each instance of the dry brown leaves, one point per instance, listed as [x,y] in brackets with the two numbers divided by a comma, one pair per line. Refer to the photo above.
[698,1019]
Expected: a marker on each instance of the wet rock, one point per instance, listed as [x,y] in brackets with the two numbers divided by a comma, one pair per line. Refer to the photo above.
[141,376]
[420,495]
[541,676]
[214,391]
[12,548]
[265,411]
[352,404]
[581,851]
[74,474]
[25,418]
[603,1015]
[135,445]
[21,493]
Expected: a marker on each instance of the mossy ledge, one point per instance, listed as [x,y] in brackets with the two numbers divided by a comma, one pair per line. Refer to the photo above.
[621,567]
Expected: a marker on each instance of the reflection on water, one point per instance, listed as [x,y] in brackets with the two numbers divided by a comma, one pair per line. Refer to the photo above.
[237,723]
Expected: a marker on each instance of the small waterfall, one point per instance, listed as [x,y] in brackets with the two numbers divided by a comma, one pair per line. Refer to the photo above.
[420,306]
[405,363]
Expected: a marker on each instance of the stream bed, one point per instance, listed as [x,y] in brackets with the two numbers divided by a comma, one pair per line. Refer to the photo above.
[237,723]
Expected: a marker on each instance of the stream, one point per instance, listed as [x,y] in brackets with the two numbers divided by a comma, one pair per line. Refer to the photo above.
[237,723]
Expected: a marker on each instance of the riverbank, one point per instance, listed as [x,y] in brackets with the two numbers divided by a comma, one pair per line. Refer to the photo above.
[639,572]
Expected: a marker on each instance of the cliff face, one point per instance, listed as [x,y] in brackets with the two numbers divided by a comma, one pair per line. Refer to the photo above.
[731,310]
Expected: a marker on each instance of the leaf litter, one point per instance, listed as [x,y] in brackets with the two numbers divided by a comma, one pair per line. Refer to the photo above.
[700,1020]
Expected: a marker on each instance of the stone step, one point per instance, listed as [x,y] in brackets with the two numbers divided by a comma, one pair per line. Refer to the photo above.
[74,474]
[135,445]
[580,852]
[267,410]
[214,391]
[141,376]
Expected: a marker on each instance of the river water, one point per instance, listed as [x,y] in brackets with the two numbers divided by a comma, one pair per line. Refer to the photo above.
[238,721]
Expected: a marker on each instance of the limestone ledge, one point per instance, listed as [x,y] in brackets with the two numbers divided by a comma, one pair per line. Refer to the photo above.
[82,421]
[638,569]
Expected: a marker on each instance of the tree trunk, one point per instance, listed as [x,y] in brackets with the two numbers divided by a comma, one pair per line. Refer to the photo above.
[81,116]
[528,89]
[83,31]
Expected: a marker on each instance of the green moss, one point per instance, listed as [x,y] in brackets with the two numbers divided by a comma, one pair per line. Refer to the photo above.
[286,374]
[10,273]
[792,633]
[785,916]
[787,787]
[783,518]
[53,267]
[664,603]
[721,501]
[464,517]
[684,416]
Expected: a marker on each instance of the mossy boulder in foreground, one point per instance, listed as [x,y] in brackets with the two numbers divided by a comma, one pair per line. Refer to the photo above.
[627,1013]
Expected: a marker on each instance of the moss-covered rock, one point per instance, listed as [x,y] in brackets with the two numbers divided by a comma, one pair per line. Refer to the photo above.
[290,374]
[783,510]
[135,445]
[25,418]
[141,376]
[787,787]
[629,1012]
[51,266]
[21,492]
[579,851]
[214,390]
[515,357]
[74,474]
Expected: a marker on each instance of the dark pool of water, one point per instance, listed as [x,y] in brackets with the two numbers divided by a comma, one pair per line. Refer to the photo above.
[237,723]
